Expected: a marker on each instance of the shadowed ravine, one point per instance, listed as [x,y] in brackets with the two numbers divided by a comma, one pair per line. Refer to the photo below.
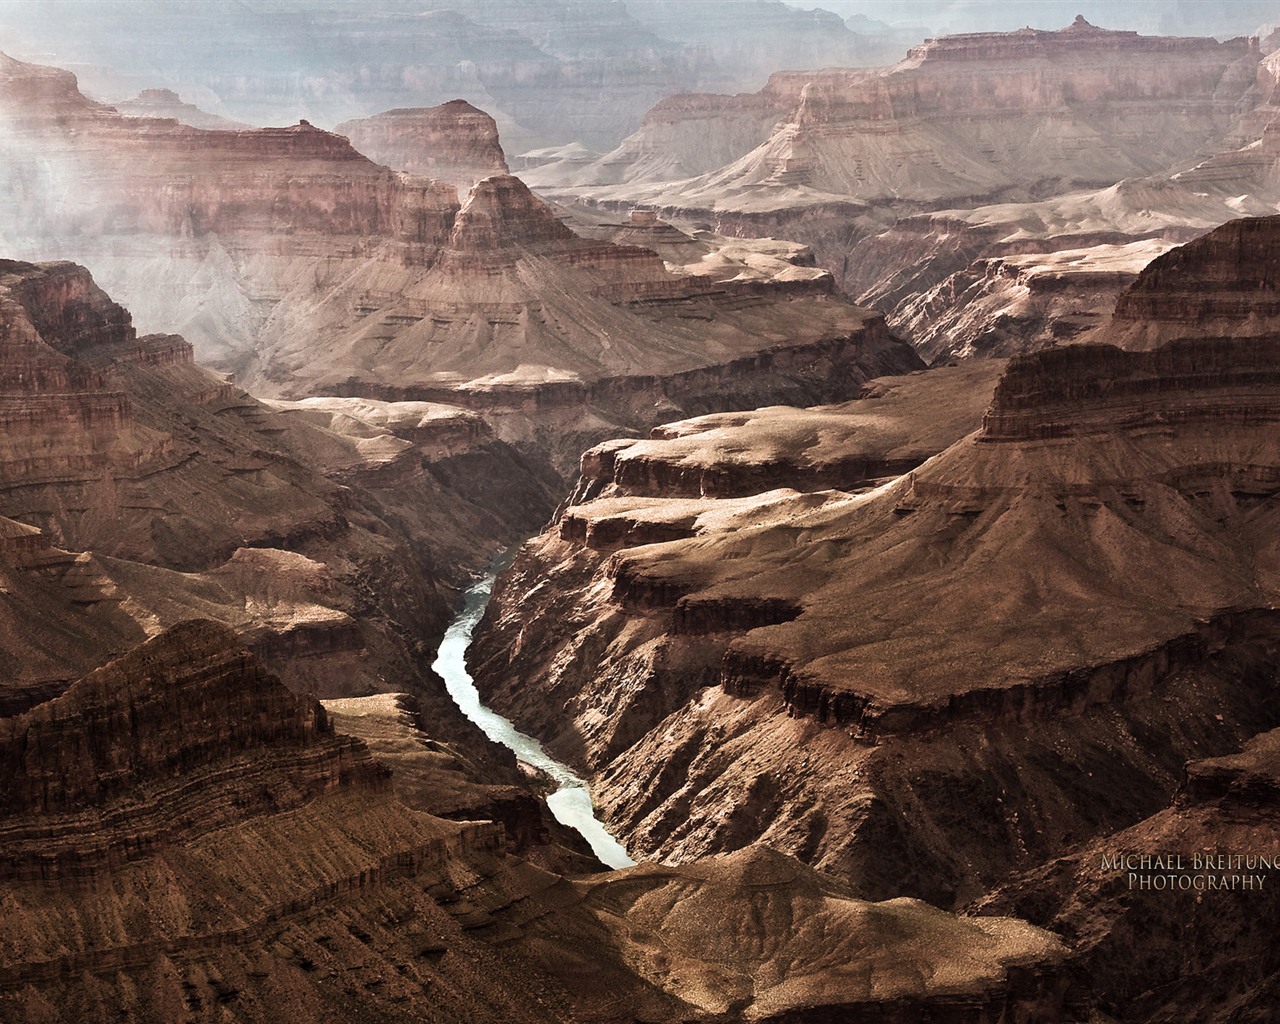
[571,801]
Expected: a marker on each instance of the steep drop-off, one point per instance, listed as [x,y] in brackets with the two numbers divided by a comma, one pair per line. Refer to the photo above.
[184,836]
[991,194]
[1001,653]
[141,489]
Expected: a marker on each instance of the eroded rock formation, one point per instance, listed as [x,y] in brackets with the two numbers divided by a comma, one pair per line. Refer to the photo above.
[997,655]
[142,490]
[970,192]
[324,273]
[244,856]
[454,142]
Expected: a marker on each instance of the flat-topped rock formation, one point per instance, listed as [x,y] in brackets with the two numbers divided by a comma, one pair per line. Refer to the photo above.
[918,185]
[963,117]
[454,142]
[165,103]
[832,672]
[898,424]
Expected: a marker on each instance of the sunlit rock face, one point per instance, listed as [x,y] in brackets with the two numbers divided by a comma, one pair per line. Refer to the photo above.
[298,263]
[759,637]
[139,489]
[454,142]
[992,193]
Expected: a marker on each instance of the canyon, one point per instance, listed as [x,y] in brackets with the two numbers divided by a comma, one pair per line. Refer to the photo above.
[878,470]
[991,193]
[328,274]
[990,632]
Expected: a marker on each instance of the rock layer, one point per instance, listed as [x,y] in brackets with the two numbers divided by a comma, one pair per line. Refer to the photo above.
[182,834]
[323,273]
[844,675]
[141,490]
[454,142]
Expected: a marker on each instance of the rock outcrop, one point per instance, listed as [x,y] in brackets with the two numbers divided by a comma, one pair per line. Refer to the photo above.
[454,142]
[141,489]
[326,274]
[1213,888]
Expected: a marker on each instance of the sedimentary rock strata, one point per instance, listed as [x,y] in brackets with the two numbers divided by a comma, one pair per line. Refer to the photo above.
[992,193]
[246,856]
[454,142]
[321,272]
[1017,277]
[844,675]
[141,490]
[969,116]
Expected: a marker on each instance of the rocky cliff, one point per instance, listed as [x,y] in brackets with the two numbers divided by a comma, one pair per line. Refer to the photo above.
[320,272]
[970,116]
[1017,277]
[142,490]
[1225,283]
[992,193]
[1008,650]
[454,142]
[183,835]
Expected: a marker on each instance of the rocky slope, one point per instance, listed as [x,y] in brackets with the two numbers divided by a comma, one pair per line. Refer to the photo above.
[141,489]
[1002,653]
[323,273]
[970,192]
[1016,277]
[247,861]
[1214,890]
[1021,276]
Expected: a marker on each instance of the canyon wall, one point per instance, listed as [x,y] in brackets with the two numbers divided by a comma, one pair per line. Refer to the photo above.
[245,859]
[290,259]
[932,685]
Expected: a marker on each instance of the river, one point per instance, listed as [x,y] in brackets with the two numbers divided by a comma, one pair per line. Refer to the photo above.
[571,801]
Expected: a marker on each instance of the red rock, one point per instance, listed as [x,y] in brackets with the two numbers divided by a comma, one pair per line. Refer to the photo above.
[454,142]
